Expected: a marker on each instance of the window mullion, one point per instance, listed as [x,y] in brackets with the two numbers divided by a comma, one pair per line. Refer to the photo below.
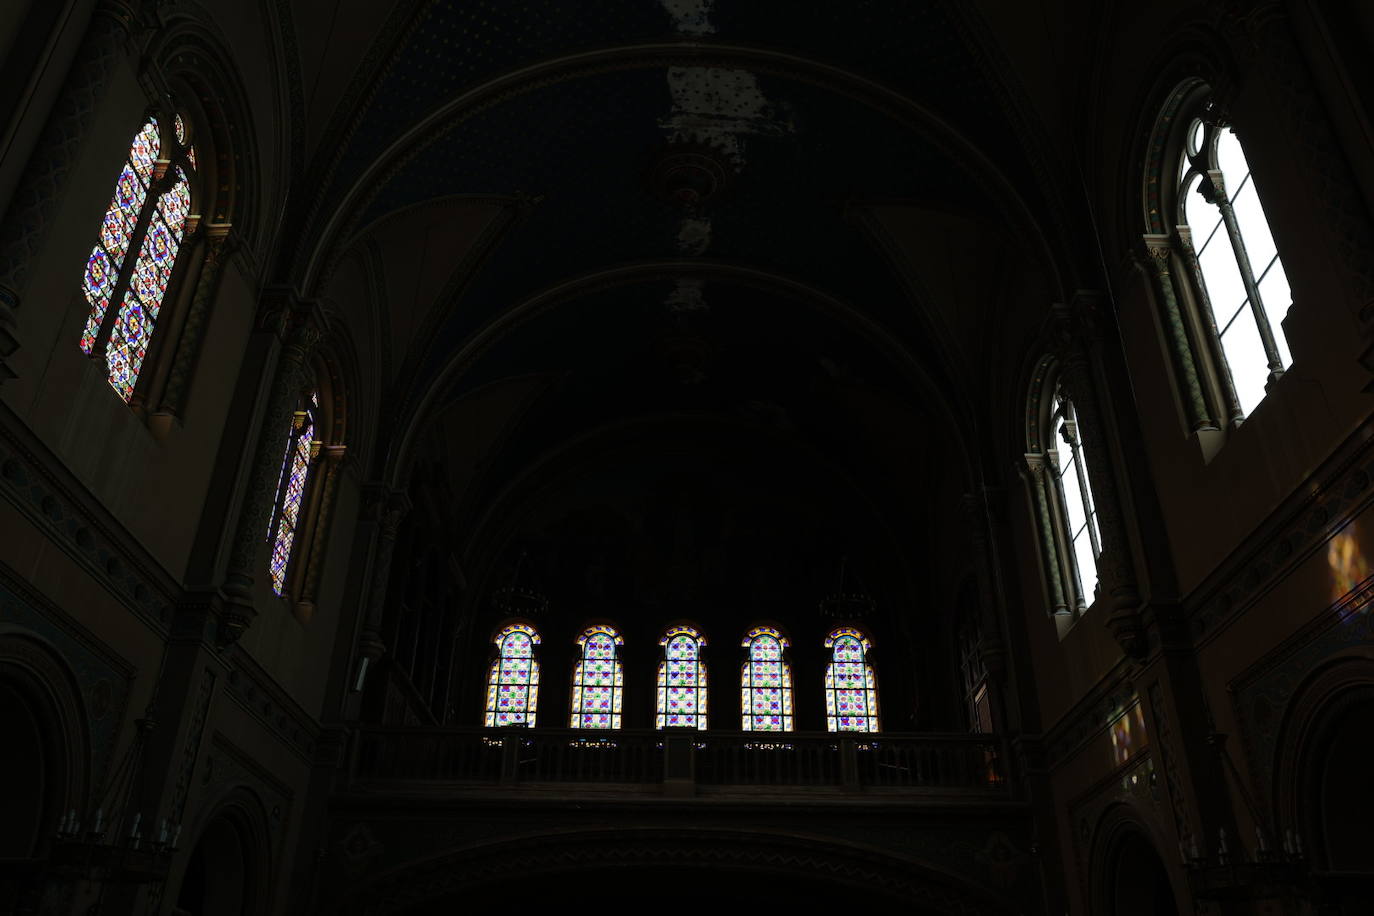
[1071,427]
[1209,328]
[284,482]
[156,185]
[1070,556]
[1247,276]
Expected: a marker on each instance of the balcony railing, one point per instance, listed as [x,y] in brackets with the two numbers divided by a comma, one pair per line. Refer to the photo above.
[681,759]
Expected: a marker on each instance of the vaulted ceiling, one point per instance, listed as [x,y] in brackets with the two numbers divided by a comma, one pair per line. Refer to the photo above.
[542,221]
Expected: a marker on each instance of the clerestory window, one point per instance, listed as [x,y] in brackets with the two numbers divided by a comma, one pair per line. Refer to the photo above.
[1062,500]
[851,688]
[598,679]
[681,680]
[132,262]
[766,682]
[513,680]
[1223,285]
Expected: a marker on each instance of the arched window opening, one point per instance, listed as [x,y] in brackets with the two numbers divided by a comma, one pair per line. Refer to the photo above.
[1063,503]
[1237,262]
[302,446]
[598,679]
[513,682]
[851,690]
[149,214]
[766,683]
[1076,498]
[682,680]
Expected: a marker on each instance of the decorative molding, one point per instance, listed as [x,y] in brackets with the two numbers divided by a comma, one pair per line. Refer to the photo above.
[1091,716]
[254,691]
[1316,511]
[1168,755]
[1263,693]
[103,677]
[38,484]
[190,748]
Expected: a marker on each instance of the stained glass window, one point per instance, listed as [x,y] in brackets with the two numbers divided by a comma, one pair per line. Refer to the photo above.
[682,680]
[766,683]
[301,447]
[147,215]
[513,683]
[851,691]
[598,679]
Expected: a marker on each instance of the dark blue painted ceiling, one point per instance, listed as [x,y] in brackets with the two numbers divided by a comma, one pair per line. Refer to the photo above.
[912,46]
[585,146]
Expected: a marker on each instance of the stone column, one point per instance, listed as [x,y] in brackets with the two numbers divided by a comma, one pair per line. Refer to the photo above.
[328,463]
[1180,350]
[1076,336]
[1208,321]
[302,335]
[386,508]
[216,251]
[1034,472]
[24,229]
[992,651]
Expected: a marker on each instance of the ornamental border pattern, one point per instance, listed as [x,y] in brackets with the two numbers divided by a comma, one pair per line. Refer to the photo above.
[270,706]
[1263,692]
[56,503]
[1289,536]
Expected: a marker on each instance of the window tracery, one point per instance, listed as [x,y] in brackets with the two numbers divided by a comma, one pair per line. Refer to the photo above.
[681,680]
[302,447]
[598,679]
[148,215]
[1223,284]
[513,680]
[766,682]
[851,689]
[1062,498]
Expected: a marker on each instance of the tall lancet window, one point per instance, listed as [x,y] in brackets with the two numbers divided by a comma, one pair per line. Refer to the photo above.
[851,690]
[1080,510]
[513,682]
[682,680]
[598,679]
[301,448]
[766,683]
[147,218]
[1238,263]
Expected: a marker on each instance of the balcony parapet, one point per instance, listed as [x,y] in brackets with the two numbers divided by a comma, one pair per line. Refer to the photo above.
[681,762]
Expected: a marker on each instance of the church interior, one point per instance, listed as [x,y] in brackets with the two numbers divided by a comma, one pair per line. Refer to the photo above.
[480,454]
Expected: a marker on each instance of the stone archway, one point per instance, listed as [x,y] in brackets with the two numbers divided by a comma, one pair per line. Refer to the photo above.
[228,871]
[680,870]
[1128,876]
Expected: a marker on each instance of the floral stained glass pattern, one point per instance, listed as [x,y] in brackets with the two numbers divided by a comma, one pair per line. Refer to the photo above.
[290,489]
[851,692]
[513,683]
[117,230]
[138,313]
[598,680]
[682,680]
[766,683]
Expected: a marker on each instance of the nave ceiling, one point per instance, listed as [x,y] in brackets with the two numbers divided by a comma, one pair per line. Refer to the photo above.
[497,208]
